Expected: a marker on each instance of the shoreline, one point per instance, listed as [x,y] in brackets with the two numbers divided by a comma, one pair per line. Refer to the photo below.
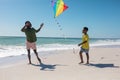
[10,60]
[21,50]
[13,46]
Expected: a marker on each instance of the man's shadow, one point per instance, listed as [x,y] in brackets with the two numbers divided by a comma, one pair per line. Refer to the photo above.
[104,65]
[47,67]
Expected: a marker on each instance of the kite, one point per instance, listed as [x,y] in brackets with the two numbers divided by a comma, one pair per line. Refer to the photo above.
[59,7]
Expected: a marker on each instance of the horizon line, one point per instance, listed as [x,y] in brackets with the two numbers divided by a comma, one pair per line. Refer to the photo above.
[63,37]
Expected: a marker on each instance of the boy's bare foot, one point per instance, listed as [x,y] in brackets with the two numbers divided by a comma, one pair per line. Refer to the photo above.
[87,62]
[29,63]
[81,62]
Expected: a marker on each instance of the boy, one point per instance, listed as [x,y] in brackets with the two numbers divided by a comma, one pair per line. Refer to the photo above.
[31,39]
[84,45]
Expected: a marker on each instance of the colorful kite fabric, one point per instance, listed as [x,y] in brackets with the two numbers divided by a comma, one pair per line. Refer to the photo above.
[59,7]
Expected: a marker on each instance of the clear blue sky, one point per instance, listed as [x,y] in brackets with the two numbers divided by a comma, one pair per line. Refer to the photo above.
[101,16]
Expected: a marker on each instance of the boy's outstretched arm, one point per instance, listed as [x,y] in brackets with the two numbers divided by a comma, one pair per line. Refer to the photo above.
[82,43]
[23,29]
[40,27]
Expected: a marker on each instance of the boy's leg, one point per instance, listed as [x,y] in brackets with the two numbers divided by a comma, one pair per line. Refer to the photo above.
[29,56]
[37,56]
[87,55]
[81,56]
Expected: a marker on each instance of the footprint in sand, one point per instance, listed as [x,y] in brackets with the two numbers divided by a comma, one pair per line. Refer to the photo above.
[117,55]
[102,57]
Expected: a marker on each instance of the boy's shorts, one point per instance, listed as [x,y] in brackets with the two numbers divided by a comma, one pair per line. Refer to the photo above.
[30,45]
[84,50]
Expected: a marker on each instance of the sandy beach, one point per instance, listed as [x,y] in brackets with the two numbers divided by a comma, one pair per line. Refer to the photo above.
[55,30]
[63,65]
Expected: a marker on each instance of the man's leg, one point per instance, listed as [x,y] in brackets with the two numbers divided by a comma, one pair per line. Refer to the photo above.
[81,56]
[87,55]
[29,56]
[37,56]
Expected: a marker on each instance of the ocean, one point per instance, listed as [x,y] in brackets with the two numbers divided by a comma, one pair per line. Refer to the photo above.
[14,46]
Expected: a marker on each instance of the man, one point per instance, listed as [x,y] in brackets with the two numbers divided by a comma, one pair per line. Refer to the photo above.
[84,45]
[31,39]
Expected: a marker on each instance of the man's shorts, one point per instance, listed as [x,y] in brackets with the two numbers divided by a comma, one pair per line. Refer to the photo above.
[30,45]
[84,50]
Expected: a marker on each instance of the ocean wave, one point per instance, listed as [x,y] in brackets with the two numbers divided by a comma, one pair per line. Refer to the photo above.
[16,50]
[107,42]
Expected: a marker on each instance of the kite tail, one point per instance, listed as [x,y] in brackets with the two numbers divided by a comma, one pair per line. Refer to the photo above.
[60,28]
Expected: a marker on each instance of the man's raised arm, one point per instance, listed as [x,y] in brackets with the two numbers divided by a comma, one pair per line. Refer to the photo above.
[40,27]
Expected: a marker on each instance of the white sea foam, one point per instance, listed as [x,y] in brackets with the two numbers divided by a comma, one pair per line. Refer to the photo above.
[106,43]
[6,51]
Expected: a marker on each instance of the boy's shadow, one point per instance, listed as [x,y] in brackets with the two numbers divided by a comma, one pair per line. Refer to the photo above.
[104,65]
[47,67]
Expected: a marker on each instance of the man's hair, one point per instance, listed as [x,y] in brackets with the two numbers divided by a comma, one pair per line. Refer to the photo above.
[85,28]
[29,23]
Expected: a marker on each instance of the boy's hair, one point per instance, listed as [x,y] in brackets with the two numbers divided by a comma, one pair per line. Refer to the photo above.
[85,28]
[29,23]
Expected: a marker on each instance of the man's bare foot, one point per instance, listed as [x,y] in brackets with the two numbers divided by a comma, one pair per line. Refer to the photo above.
[40,61]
